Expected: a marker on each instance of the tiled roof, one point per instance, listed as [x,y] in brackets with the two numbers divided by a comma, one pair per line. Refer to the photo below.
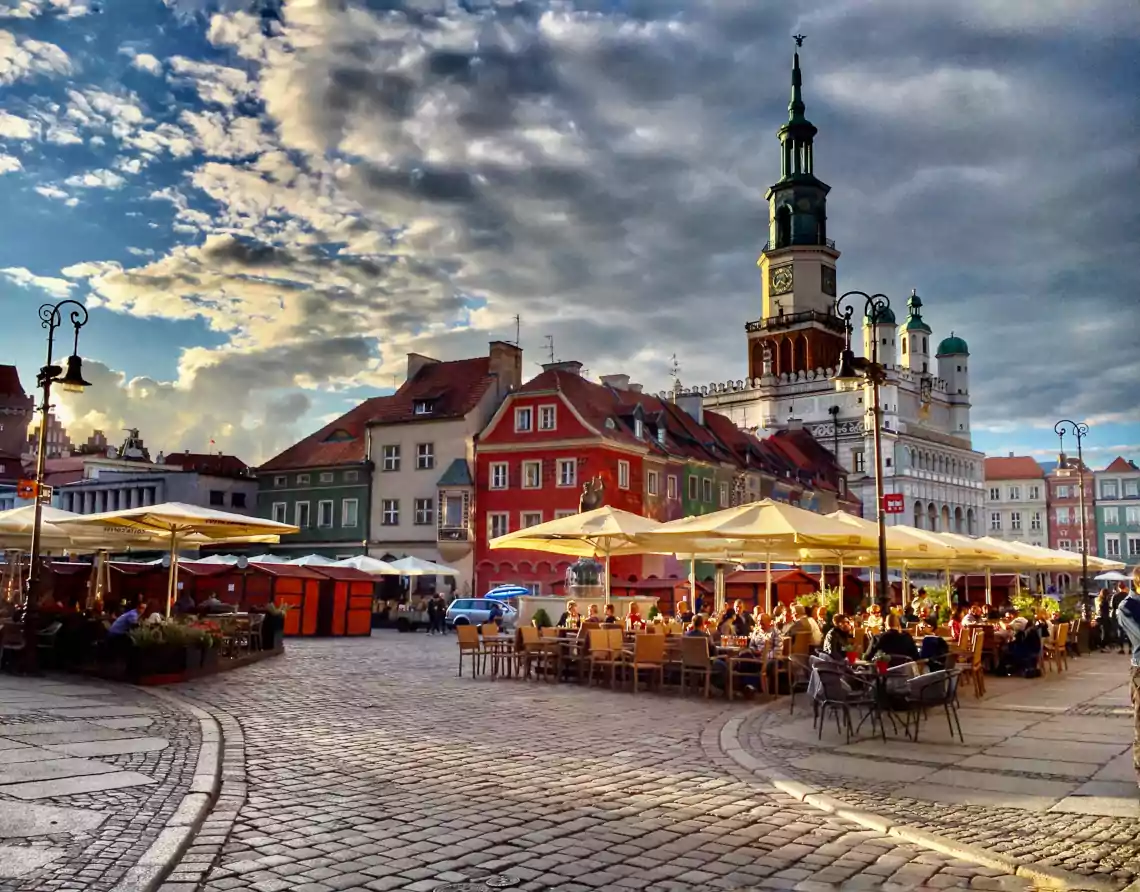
[454,388]
[458,473]
[340,442]
[10,381]
[206,463]
[1121,465]
[1014,467]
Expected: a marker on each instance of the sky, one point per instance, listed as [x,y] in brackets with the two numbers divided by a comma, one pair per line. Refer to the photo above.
[266,204]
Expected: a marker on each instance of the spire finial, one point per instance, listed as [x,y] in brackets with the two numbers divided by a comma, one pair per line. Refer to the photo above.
[796,106]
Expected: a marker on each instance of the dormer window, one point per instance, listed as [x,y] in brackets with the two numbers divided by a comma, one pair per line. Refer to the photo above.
[639,428]
[422,407]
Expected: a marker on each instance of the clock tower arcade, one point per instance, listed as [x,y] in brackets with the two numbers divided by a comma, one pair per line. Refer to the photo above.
[799,331]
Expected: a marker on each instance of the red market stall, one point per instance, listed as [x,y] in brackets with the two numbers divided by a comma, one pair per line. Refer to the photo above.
[971,588]
[750,586]
[296,587]
[345,601]
[668,592]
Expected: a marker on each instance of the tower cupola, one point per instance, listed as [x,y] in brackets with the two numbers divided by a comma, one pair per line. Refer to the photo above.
[914,335]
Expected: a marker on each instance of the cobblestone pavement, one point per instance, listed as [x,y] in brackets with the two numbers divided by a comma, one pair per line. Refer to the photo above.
[89,775]
[1044,775]
[370,766]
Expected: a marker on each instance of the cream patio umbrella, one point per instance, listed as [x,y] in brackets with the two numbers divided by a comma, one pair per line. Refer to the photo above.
[601,533]
[774,531]
[414,566]
[182,525]
[16,532]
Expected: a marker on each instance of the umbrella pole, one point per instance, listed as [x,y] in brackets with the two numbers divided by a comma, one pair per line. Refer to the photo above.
[721,595]
[693,586]
[905,587]
[840,608]
[607,588]
[173,578]
[989,592]
[768,608]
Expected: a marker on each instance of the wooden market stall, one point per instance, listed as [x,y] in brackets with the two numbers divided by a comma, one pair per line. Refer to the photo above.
[971,588]
[298,588]
[345,601]
[668,592]
[750,586]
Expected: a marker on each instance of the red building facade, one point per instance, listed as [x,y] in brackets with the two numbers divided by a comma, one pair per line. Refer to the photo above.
[1063,489]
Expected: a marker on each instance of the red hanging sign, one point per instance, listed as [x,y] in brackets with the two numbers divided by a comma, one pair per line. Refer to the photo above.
[26,489]
[893,503]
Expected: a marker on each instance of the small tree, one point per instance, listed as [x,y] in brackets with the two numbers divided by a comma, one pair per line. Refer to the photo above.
[541,619]
[653,613]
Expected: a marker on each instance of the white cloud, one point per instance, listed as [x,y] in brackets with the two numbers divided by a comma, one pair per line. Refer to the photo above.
[15,127]
[53,192]
[148,63]
[21,58]
[96,179]
[216,84]
[9,164]
[25,278]
[30,9]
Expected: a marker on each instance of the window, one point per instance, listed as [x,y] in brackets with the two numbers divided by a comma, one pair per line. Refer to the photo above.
[1109,489]
[425,456]
[671,486]
[995,520]
[421,407]
[280,480]
[858,462]
[302,479]
[547,418]
[651,484]
[1034,493]
[1015,493]
[349,513]
[694,487]
[391,457]
[724,495]
[281,512]
[995,493]
[324,514]
[1134,546]
[326,477]
[706,489]
[498,524]
[1062,492]
[390,512]
[567,472]
[237,499]
[1035,521]
[498,475]
[1131,489]
[1112,516]
[351,476]
[1112,546]
[523,420]
[532,474]
[1064,516]
[425,512]
[301,515]
[623,475]
[639,428]
[1132,516]
[1015,520]
[217,497]
[564,512]
[1064,545]
[531,519]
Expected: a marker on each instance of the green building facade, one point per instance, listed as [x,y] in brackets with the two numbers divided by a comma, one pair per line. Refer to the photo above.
[1118,511]
[330,504]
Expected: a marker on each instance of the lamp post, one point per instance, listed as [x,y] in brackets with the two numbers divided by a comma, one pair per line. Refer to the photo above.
[853,372]
[1078,429]
[834,413]
[71,379]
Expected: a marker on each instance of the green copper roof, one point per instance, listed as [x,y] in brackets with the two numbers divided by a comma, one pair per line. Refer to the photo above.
[457,474]
[796,104]
[914,321]
[953,345]
[886,317]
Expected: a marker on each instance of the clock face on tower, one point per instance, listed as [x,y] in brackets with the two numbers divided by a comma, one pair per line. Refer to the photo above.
[828,280]
[780,280]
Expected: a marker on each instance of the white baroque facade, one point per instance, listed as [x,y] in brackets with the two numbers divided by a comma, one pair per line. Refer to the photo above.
[794,348]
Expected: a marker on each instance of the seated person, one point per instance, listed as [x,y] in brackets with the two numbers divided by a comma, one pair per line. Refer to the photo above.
[633,620]
[118,640]
[742,619]
[684,614]
[766,639]
[1013,622]
[974,617]
[839,637]
[1022,655]
[802,623]
[933,649]
[894,642]
[697,629]
[185,603]
[570,618]
[726,624]
[609,618]
[592,614]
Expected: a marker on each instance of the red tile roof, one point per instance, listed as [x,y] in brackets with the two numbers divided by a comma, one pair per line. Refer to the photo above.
[1015,467]
[340,442]
[207,463]
[1121,465]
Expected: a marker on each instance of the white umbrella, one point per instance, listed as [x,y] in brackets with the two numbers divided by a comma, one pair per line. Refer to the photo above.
[312,560]
[228,560]
[1113,576]
[367,564]
[268,559]
[178,522]
[414,566]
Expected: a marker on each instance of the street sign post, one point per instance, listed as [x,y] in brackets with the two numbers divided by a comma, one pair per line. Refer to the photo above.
[893,503]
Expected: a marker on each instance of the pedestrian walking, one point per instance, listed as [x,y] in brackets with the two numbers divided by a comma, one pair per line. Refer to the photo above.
[1128,619]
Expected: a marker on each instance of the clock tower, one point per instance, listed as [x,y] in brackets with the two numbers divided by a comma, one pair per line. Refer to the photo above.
[799,331]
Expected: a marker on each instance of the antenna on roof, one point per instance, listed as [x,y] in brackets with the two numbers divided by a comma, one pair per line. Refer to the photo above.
[518,329]
[675,371]
[550,346]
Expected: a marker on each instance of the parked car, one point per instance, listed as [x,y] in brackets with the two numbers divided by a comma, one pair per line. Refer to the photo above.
[473,611]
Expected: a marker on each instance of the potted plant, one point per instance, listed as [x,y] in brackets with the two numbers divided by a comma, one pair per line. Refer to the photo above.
[653,613]
[273,627]
[541,619]
[852,654]
[882,662]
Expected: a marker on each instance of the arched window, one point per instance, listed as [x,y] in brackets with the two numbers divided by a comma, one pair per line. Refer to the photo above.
[783,226]
[904,346]
[918,515]
[932,517]
[925,348]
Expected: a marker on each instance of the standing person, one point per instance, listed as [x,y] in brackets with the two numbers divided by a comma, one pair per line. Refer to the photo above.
[1103,618]
[1117,599]
[1128,616]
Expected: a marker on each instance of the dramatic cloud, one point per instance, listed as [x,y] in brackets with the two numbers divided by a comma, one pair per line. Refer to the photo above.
[9,164]
[27,279]
[409,176]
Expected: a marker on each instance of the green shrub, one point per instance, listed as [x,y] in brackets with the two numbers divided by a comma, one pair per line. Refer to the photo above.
[653,613]
[541,619]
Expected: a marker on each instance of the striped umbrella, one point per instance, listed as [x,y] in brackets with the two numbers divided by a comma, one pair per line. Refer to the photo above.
[506,592]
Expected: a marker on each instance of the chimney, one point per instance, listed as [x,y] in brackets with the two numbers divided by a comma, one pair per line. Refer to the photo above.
[635,388]
[617,382]
[506,365]
[692,404]
[564,365]
[1011,455]
[417,361]
[795,424]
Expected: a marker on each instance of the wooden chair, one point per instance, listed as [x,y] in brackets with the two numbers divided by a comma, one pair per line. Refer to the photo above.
[471,646]
[11,640]
[974,670]
[603,654]
[649,657]
[696,661]
[1055,652]
[489,629]
[549,632]
[943,632]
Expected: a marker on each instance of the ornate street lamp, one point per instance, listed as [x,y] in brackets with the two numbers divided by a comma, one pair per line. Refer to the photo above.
[71,380]
[1078,429]
[853,372]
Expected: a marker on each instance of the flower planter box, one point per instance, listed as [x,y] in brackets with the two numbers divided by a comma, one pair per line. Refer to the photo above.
[162,662]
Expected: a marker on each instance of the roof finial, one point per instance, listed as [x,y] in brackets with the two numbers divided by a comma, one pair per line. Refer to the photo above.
[796,106]
[799,39]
